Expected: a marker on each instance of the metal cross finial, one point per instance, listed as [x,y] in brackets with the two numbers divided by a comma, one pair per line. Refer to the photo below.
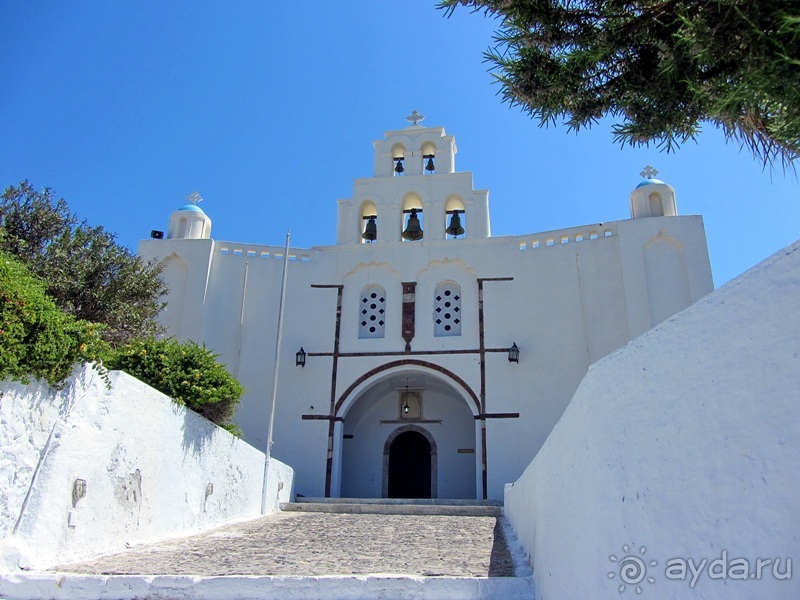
[194,198]
[649,172]
[415,117]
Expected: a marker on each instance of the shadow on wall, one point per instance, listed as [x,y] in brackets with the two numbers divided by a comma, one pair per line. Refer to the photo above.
[125,465]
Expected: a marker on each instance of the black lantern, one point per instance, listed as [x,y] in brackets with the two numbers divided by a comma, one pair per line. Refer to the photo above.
[513,354]
[300,358]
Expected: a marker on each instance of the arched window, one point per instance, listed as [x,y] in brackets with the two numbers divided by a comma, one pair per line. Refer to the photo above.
[447,309]
[372,312]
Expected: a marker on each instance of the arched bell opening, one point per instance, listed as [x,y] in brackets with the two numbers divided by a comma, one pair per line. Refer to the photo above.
[428,158]
[375,454]
[369,222]
[398,159]
[455,217]
[412,218]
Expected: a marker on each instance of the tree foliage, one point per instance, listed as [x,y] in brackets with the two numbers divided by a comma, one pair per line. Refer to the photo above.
[36,338]
[660,66]
[187,372]
[86,272]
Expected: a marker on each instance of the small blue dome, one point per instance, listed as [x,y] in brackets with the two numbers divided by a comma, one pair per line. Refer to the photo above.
[191,207]
[648,182]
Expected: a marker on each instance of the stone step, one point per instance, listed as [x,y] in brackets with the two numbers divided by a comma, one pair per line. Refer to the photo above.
[436,501]
[355,506]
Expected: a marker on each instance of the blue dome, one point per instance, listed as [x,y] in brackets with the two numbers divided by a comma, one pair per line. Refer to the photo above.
[648,182]
[191,207]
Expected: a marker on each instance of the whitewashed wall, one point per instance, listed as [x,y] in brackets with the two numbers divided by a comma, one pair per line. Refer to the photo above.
[684,444]
[148,465]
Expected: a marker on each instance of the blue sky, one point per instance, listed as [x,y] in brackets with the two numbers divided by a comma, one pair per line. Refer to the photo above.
[269,110]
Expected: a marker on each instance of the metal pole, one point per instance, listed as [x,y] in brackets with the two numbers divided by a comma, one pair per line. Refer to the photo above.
[268,450]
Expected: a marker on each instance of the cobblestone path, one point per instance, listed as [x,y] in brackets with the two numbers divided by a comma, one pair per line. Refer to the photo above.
[314,544]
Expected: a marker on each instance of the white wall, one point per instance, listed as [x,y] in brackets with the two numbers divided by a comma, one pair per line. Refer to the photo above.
[146,461]
[684,443]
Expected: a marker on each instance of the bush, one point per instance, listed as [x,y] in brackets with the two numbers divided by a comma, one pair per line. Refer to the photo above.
[36,338]
[186,372]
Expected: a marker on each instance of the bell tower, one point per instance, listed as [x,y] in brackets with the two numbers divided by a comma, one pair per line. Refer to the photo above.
[415,194]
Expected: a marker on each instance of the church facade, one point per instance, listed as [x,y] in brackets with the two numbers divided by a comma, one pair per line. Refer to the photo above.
[436,358]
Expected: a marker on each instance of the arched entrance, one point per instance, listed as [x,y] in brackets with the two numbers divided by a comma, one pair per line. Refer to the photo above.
[409,464]
[442,459]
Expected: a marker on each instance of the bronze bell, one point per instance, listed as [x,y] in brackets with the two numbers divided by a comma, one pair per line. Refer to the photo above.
[398,165]
[429,166]
[370,230]
[413,231]
[455,228]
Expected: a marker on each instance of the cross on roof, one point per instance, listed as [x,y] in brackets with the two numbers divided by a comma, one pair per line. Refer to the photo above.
[415,117]
[194,198]
[649,172]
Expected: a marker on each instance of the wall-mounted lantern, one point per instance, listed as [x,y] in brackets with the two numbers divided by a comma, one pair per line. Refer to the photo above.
[513,354]
[300,358]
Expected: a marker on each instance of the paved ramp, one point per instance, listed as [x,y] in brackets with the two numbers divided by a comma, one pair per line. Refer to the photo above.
[320,555]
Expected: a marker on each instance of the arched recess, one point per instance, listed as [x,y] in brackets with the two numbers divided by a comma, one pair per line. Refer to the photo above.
[175,275]
[656,205]
[434,460]
[367,379]
[374,411]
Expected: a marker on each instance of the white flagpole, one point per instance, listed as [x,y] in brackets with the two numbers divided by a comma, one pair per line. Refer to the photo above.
[268,450]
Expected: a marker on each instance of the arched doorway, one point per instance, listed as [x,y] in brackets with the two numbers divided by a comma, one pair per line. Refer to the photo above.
[373,416]
[409,464]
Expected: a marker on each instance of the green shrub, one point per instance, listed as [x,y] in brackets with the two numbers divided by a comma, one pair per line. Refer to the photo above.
[186,372]
[36,338]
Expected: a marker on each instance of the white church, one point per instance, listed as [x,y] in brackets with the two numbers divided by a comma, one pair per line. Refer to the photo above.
[421,356]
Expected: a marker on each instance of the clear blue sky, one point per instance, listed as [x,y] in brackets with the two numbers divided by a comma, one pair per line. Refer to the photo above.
[269,109]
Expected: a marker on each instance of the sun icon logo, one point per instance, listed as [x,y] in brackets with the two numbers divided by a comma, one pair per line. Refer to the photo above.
[632,569]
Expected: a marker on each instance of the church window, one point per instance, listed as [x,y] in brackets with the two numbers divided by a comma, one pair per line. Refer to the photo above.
[372,312]
[447,309]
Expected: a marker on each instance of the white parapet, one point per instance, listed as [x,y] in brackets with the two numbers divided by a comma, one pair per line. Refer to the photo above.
[91,469]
